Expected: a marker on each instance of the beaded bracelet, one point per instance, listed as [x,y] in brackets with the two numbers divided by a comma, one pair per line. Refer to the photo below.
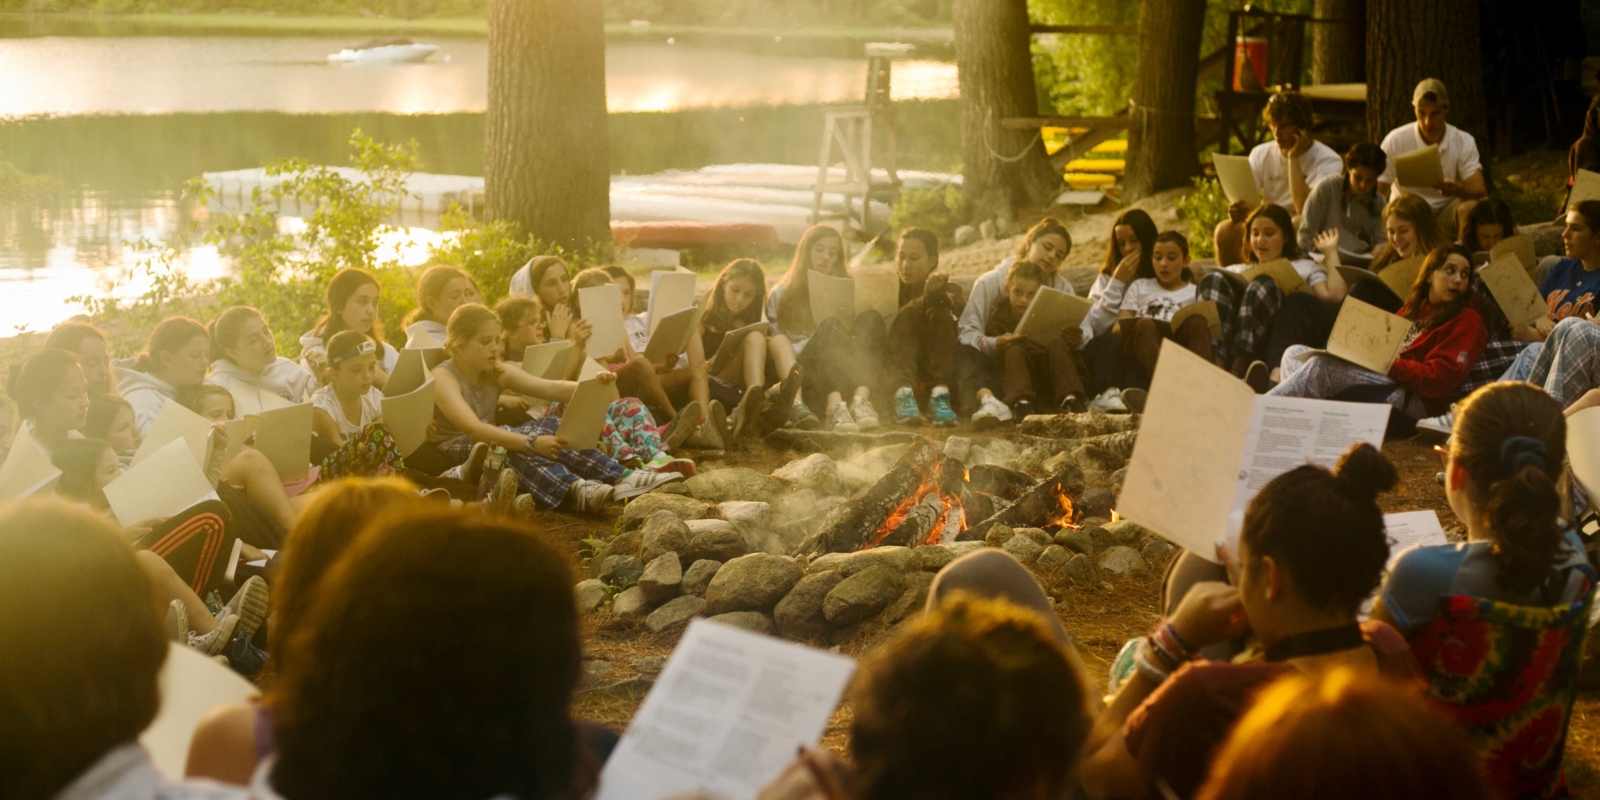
[1165,638]
[1145,665]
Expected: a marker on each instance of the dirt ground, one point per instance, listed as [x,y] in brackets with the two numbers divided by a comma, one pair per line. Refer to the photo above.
[1102,617]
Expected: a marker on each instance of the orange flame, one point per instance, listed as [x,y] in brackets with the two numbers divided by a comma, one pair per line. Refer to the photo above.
[952,513]
[1068,516]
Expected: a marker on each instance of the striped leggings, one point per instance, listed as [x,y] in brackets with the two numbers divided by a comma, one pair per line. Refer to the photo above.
[196,543]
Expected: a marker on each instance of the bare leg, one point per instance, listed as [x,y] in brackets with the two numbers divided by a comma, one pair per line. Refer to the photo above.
[1229,241]
[253,473]
[783,358]
[167,587]
[755,360]
[639,379]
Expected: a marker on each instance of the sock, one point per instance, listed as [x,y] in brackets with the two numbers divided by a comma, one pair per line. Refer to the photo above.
[938,390]
[902,392]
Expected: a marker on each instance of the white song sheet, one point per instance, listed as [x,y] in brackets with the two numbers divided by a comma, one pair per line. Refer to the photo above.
[1286,432]
[726,716]
[1409,528]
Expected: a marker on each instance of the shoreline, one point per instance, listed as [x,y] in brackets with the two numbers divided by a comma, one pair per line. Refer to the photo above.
[216,23]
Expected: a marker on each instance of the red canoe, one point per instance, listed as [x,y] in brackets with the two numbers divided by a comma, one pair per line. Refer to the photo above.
[687,235]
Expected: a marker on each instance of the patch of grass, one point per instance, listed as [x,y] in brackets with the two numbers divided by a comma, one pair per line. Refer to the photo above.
[1202,210]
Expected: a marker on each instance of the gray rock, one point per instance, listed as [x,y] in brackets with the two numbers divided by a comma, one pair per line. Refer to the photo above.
[965,235]
[591,594]
[621,570]
[912,598]
[816,472]
[1024,548]
[630,604]
[1078,570]
[677,611]
[1053,558]
[1122,560]
[1095,502]
[998,535]
[753,621]
[828,562]
[1038,535]
[1078,541]
[958,448]
[931,558]
[640,508]
[662,578]
[862,595]
[799,614]
[897,558]
[623,544]
[734,483]
[662,533]
[1102,538]
[1088,521]
[755,582]
[698,576]
[676,487]
[717,545]
[1157,550]
[699,526]
[987,229]
[649,665]
[746,514]
[594,670]
[1127,532]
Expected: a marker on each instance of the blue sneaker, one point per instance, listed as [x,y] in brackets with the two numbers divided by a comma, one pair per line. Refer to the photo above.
[905,408]
[943,415]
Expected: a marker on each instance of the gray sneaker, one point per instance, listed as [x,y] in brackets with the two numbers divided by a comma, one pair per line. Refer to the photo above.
[589,497]
[249,603]
[683,426]
[210,644]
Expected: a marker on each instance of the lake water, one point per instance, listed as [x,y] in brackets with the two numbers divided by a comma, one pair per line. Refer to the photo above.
[122,122]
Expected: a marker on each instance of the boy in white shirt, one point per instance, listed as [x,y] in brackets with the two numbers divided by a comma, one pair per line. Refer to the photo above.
[1285,169]
[1463,186]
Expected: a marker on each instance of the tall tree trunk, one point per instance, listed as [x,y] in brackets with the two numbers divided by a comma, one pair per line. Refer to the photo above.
[1001,168]
[1338,47]
[547,156]
[1408,41]
[1161,145]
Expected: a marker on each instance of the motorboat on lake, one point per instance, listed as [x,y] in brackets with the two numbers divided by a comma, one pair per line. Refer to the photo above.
[384,51]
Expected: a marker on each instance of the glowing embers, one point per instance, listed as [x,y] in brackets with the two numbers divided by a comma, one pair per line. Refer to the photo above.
[930,515]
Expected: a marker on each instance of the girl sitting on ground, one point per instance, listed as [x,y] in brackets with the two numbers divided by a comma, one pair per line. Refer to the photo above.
[922,340]
[88,343]
[208,400]
[1349,206]
[734,302]
[520,319]
[1030,375]
[1145,318]
[468,384]
[52,397]
[835,356]
[176,355]
[1128,257]
[1311,551]
[1045,245]
[243,350]
[352,300]
[1410,229]
[1488,224]
[636,376]
[1247,311]
[111,418]
[441,290]
[545,279]
[1447,337]
[347,412]
[1521,562]
[682,375]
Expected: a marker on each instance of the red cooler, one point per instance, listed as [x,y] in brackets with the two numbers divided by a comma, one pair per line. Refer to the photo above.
[1250,53]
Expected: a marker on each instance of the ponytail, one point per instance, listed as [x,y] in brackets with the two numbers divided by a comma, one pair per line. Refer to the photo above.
[1524,512]
[224,330]
[169,336]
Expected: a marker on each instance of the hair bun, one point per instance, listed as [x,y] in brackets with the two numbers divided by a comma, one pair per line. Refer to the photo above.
[1363,472]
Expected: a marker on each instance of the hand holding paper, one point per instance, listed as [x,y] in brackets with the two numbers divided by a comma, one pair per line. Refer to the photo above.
[1051,311]
[585,414]
[1367,336]
[602,307]
[1237,179]
[1419,169]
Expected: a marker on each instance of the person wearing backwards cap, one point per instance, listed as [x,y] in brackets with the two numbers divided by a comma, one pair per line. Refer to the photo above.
[347,412]
[1463,186]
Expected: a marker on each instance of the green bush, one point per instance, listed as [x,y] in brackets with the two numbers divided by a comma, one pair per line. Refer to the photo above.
[22,188]
[940,209]
[1203,209]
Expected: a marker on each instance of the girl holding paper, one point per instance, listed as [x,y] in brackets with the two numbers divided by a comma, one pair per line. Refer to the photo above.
[544,278]
[441,290]
[1128,258]
[1145,319]
[1447,336]
[52,396]
[922,340]
[1026,372]
[111,418]
[733,303]
[243,350]
[468,385]
[1522,562]
[1349,205]
[352,299]
[682,375]
[348,412]
[835,356]
[1247,311]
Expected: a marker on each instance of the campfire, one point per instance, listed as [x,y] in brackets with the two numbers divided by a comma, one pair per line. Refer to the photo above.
[1067,518]
[933,514]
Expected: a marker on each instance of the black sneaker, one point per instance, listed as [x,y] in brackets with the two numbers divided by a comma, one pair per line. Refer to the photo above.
[472,471]
[1134,400]
[778,408]
[1021,409]
[1073,404]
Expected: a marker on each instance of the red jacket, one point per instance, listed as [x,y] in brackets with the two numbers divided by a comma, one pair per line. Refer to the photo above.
[1438,360]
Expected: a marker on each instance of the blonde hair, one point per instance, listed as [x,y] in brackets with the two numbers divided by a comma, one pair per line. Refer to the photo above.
[464,324]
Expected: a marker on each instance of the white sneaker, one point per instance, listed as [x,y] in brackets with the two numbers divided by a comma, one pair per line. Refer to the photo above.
[639,481]
[250,603]
[685,424]
[210,644]
[1442,424]
[991,412]
[865,415]
[1109,402]
[839,419]
[589,497]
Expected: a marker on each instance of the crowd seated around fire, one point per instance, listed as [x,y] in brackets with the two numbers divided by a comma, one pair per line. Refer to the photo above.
[414,634]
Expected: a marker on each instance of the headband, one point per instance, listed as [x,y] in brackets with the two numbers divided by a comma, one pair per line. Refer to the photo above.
[365,347]
[1517,452]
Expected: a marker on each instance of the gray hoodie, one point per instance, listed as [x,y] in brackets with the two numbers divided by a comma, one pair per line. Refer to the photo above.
[144,392]
[284,378]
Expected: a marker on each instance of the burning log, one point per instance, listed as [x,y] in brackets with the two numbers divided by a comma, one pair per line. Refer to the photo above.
[999,481]
[830,442]
[1077,426]
[1036,507]
[1121,443]
[852,525]
[918,522]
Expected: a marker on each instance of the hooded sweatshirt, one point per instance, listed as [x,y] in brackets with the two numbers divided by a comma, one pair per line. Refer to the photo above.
[284,378]
[144,392]
[1434,364]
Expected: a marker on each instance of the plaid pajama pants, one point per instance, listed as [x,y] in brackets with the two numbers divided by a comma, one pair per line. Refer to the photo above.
[1569,363]
[1246,315]
[547,480]
[1325,377]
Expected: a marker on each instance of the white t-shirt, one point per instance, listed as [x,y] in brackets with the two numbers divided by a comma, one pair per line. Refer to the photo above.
[1146,298]
[1271,170]
[1310,271]
[1458,154]
[371,409]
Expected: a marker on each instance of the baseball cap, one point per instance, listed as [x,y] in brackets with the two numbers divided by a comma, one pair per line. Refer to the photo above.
[1432,86]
